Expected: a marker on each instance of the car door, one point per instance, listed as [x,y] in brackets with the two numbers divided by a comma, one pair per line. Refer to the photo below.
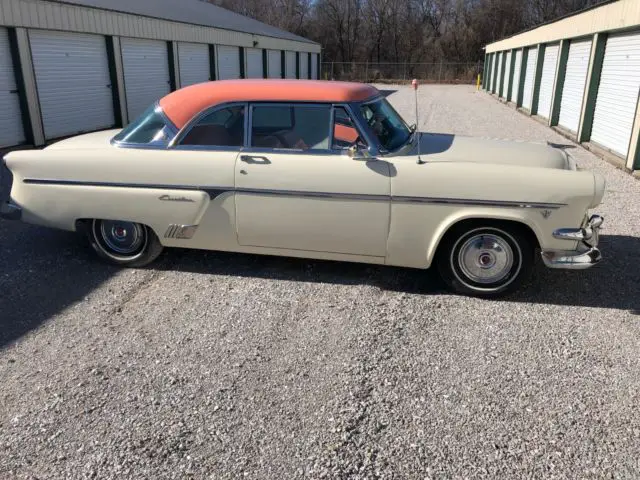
[297,189]
[209,147]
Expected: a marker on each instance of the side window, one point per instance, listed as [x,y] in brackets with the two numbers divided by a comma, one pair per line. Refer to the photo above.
[296,127]
[222,128]
[345,132]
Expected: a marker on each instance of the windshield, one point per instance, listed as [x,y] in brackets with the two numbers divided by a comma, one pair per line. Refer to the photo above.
[386,124]
[150,128]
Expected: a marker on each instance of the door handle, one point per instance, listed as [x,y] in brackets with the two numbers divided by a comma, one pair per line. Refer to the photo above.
[255,159]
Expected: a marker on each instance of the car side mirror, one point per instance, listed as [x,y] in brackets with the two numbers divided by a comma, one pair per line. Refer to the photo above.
[359,153]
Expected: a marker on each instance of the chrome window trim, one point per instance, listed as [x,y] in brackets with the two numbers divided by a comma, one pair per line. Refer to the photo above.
[215,190]
[175,141]
[173,130]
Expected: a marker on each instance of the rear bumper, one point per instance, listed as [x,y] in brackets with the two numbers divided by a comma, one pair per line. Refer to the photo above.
[586,255]
[10,211]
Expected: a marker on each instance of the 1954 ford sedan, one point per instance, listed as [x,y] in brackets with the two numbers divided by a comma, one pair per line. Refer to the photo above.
[312,169]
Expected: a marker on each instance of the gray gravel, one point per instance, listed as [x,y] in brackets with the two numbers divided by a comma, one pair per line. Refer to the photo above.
[215,365]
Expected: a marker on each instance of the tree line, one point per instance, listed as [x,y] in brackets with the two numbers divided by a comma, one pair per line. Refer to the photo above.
[408,31]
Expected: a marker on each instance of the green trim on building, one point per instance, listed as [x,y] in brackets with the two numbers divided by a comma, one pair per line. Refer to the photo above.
[22,94]
[538,78]
[241,60]
[512,69]
[212,62]
[559,87]
[592,89]
[298,65]
[523,74]
[484,72]
[503,68]
[113,78]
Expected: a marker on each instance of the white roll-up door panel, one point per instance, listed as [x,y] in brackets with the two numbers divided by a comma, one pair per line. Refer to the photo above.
[575,82]
[517,68]
[505,80]
[290,64]
[228,60]
[314,66]
[493,72]
[529,78]
[618,93]
[548,80]
[73,81]
[253,63]
[304,65]
[274,60]
[146,73]
[11,131]
[193,62]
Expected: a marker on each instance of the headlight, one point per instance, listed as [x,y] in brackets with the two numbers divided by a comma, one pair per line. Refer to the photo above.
[599,188]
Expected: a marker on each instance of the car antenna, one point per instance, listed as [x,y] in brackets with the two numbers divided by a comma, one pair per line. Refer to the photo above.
[414,84]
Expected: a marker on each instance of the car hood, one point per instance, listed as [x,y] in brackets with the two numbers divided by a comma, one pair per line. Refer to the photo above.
[457,148]
[88,140]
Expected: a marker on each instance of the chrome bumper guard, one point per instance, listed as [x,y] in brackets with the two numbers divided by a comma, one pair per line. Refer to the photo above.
[587,253]
[10,211]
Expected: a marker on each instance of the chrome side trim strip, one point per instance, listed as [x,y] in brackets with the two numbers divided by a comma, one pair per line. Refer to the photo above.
[215,191]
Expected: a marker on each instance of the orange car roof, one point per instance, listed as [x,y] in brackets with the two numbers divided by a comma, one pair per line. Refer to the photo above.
[180,106]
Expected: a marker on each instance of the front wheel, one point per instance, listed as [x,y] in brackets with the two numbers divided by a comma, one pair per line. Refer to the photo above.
[124,243]
[485,261]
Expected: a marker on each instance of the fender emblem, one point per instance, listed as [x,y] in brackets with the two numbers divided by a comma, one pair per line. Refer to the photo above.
[545,213]
[169,198]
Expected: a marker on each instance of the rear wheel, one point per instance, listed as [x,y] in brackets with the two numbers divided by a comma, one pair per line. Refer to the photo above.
[485,261]
[124,243]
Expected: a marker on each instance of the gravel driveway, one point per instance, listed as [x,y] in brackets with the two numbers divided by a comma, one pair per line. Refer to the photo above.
[224,366]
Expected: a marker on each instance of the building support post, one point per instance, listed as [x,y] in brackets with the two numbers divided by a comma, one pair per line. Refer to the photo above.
[633,159]
[503,69]
[213,75]
[561,73]
[114,56]
[174,65]
[512,69]
[538,79]
[30,94]
[592,85]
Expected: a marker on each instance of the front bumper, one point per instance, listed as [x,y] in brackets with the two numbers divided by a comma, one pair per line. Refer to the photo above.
[10,211]
[586,255]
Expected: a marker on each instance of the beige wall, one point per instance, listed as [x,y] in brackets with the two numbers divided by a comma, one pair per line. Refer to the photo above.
[60,16]
[622,14]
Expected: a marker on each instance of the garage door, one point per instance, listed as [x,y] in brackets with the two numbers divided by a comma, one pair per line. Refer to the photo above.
[515,84]
[494,67]
[290,64]
[314,66]
[228,62]
[11,132]
[529,78]
[72,77]
[274,61]
[304,65]
[146,73]
[193,60]
[253,62]
[548,80]
[505,79]
[575,81]
[618,93]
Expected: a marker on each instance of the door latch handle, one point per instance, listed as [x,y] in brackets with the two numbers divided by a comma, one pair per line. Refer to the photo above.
[256,159]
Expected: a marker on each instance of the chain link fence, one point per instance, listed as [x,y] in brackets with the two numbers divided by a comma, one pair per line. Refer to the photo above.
[388,72]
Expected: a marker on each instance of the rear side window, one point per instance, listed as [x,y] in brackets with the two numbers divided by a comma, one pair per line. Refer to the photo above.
[295,127]
[222,128]
[150,128]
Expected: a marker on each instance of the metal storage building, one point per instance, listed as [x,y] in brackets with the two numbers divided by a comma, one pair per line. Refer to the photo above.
[73,66]
[580,75]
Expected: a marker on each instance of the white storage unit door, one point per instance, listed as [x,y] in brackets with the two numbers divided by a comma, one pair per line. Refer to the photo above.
[517,68]
[314,66]
[228,59]
[74,86]
[575,82]
[193,62]
[253,63]
[146,73]
[548,80]
[274,61]
[304,65]
[493,72]
[505,80]
[529,78]
[618,93]
[290,64]
[11,131]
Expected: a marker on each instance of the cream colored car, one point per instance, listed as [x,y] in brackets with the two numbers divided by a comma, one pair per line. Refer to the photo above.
[312,169]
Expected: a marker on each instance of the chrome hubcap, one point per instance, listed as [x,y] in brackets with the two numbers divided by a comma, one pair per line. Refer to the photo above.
[486,258]
[124,238]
